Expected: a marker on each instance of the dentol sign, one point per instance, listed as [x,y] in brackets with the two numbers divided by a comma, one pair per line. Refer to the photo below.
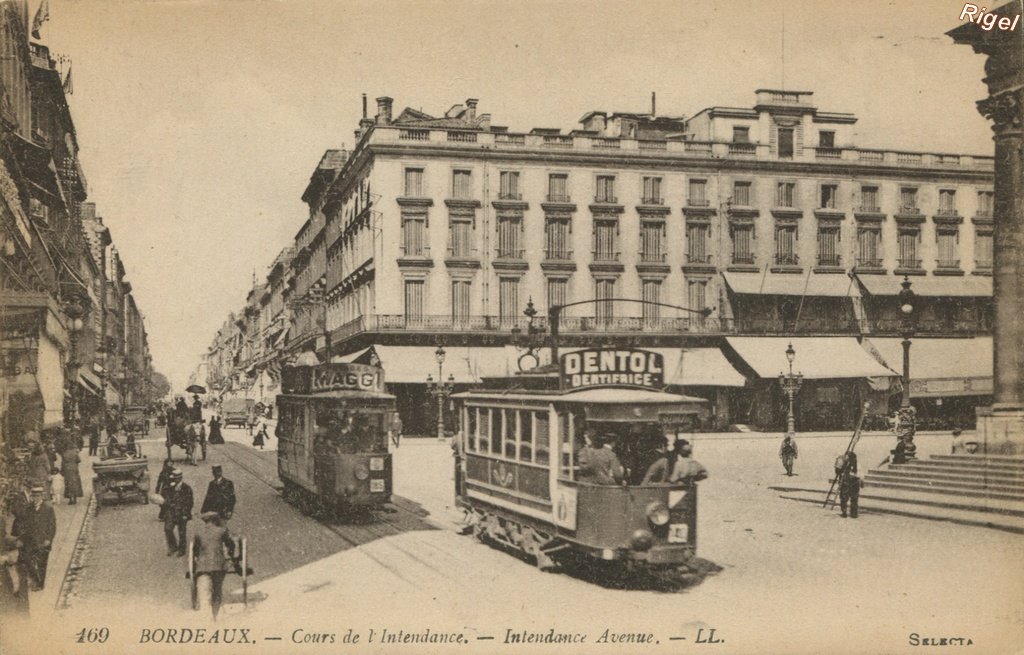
[605,368]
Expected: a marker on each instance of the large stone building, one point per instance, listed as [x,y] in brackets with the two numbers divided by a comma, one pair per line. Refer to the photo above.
[440,230]
[64,302]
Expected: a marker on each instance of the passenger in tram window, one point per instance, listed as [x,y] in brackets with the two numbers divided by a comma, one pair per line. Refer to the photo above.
[598,462]
[686,468]
[659,469]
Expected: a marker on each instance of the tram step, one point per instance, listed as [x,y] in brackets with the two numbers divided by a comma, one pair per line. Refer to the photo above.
[955,489]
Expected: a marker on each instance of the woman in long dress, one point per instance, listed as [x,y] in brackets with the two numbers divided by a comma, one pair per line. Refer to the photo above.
[215,436]
[69,470]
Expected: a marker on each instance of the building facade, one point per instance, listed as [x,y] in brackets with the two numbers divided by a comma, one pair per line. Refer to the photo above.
[441,230]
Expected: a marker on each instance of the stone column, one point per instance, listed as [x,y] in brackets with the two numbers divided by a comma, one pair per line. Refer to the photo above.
[1002,429]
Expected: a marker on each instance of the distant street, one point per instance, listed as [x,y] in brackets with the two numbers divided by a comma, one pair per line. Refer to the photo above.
[769,560]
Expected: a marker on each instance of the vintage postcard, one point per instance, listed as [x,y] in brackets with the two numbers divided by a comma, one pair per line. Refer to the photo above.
[649,326]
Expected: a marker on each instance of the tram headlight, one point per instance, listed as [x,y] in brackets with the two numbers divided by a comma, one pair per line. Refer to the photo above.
[642,540]
[362,473]
[657,513]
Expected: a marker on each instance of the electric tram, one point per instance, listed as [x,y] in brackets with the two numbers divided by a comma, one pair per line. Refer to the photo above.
[518,475]
[332,430]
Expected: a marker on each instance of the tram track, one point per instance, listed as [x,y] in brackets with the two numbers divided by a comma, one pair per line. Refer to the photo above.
[361,534]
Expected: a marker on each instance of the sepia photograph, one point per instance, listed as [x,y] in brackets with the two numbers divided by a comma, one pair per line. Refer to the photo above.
[664,327]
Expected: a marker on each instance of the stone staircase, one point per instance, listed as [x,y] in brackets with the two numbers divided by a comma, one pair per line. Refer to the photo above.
[982,490]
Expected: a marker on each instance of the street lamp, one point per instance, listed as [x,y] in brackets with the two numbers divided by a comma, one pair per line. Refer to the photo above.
[790,384]
[440,389]
[906,425]
[531,340]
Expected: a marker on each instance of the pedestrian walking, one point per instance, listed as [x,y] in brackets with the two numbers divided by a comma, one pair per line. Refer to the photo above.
[213,550]
[69,460]
[849,483]
[788,452]
[215,437]
[13,580]
[35,526]
[395,429]
[261,431]
[178,499]
[220,495]
[163,482]
[92,428]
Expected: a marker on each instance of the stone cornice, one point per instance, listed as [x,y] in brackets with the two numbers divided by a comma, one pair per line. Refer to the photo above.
[462,262]
[414,202]
[415,262]
[461,203]
[983,220]
[558,265]
[606,209]
[513,205]
[829,215]
[868,217]
[947,219]
[909,218]
[510,265]
[607,267]
[656,211]
[558,207]
[787,212]
[698,212]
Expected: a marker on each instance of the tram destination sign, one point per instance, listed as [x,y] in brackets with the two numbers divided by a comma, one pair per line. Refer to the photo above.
[617,367]
[331,377]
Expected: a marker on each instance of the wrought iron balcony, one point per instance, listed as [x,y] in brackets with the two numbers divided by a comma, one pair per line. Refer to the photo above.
[742,258]
[904,262]
[558,254]
[652,257]
[830,260]
[869,262]
[948,264]
[787,259]
[559,197]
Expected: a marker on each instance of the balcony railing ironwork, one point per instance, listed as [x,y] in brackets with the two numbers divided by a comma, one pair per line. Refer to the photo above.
[909,263]
[605,256]
[869,262]
[558,254]
[606,198]
[509,253]
[787,259]
[948,264]
[652,257]
[742,258]
[830,260]
[559,197]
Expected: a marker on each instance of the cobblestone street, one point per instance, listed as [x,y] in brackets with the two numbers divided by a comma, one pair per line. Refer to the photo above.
[780,563]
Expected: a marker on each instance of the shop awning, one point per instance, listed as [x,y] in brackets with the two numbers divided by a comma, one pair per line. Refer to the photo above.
[90,382]
[949,287]
[776,284]
[817,358]
[940,367]
[699,367]
[50,376]
[412,364]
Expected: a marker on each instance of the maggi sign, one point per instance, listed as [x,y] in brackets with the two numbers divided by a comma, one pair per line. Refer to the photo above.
[332,377]
[612,368]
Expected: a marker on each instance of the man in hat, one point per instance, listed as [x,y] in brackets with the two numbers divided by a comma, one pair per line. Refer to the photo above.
[220,495]
[35,526]
[178,499]
[163,483]
[687,469]
[210,542]
[598,462]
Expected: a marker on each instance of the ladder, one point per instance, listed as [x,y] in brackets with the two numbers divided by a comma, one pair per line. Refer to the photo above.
[833,490]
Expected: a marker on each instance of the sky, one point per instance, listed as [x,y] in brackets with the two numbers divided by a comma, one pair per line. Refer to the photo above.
[200,121]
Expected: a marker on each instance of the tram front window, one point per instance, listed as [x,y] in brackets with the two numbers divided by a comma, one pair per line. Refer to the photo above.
[348,432]
[635,444]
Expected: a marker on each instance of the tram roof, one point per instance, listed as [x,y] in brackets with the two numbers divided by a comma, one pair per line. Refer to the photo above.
[599,396]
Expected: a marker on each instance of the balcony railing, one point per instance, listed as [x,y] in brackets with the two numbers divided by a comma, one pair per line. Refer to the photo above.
[697,202]
[652,257]
[653,145]
[559,197]
[558,141]
[462,137]
[510,139]
[415,251]
[606,198]
[904,262]
[869,209]
[606,143]
[830,260]
[652,200]
[910,209]
[742,258]
[828,153]
[414,135]
[948,264]
[510,195]
[787,259]
[745,149]
[698,258]
[947,211]
[869,262]
[462,252]
[558,254]
[605,256]
[509,253]
[983,264]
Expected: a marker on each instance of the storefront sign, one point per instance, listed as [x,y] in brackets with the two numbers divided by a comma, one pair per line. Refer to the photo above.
[331,377]
[612,368]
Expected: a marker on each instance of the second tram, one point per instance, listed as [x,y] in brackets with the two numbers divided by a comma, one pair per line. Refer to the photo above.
[518,474]
[332,430]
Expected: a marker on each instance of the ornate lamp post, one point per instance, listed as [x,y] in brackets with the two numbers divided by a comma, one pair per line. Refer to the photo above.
[790,384]
[906,426]
[440,389]
[74,311]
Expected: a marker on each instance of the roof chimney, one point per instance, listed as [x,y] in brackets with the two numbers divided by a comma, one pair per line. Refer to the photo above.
[384,110]
[471,109]
[364,105]
[654,111]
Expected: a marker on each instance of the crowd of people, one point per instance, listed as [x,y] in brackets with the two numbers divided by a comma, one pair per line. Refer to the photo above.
[654,459]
